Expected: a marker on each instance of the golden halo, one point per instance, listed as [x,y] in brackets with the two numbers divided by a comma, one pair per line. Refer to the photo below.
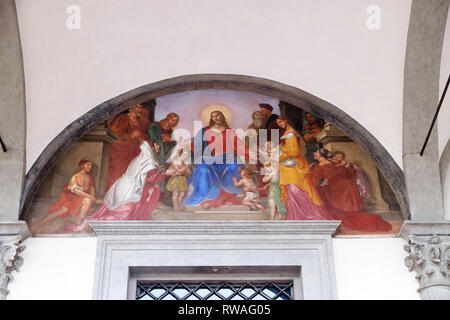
[206,113]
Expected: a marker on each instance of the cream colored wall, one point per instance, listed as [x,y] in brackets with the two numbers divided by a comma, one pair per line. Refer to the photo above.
[61,268]
[373,269]
[55,269]
[444,115]
[323,47]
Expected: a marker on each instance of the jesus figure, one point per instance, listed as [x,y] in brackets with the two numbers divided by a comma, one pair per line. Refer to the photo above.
[211,182]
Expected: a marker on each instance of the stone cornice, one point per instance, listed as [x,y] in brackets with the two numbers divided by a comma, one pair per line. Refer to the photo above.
[13,228]
[212,228]
[424,228]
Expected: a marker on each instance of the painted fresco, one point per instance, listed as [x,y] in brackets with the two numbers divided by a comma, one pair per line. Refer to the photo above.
[215,155]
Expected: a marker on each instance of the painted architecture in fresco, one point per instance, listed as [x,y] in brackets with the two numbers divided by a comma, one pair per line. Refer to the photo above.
[215,155]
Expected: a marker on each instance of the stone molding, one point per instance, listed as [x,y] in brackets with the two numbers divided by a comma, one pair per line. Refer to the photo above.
[444,163]
[12,228]
[428,251]
[424,229]
[319,228]
[124,246]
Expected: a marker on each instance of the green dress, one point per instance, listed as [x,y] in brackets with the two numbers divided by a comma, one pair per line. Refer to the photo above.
[275,194]
[154,132]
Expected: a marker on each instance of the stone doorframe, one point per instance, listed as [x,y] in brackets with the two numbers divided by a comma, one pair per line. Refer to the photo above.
[128,251]
[297,97]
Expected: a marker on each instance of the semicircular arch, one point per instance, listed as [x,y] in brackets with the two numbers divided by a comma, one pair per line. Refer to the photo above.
[297,97]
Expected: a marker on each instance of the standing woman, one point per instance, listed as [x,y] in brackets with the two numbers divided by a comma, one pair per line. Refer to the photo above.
[298,192]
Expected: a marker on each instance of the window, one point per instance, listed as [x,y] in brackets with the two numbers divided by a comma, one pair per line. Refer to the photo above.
[215,283]
[214,290]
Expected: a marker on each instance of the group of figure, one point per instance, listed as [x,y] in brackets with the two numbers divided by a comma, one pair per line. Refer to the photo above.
[145,163]
[136,174]
[325,189]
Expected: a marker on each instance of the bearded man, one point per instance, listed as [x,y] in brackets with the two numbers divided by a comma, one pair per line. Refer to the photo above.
[211,182]
[130,131]
[252,133]
[270,122]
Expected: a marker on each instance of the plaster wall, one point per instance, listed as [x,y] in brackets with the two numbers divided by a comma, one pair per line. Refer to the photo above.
[373,269]
[323,47]
[55,269]
[63,268]
[444,116]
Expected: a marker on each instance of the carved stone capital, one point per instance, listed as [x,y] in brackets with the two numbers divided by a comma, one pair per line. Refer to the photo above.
[429,257]
[12,233]
[428,251]
[10,260]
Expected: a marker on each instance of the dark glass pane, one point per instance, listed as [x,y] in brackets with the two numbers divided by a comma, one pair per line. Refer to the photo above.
[214,291]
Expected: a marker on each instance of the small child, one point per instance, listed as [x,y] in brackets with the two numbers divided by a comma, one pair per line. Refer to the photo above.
[249,188]
[178,181]
[277,208]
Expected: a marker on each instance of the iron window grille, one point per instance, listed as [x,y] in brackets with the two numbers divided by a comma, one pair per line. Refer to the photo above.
[214,291]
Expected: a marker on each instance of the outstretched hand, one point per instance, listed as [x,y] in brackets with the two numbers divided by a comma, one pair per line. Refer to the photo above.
[170,172]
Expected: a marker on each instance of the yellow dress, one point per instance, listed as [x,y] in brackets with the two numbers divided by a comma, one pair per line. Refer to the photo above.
[177,183]
[294,168]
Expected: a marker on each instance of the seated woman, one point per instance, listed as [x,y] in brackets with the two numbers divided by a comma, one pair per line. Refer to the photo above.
[298,192]
[134,195]
[211,182]
[341,195]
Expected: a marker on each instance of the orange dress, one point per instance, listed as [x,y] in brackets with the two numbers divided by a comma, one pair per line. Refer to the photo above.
[343,201]
[341,192]
[71,201]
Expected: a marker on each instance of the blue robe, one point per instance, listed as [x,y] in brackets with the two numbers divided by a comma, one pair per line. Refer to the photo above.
[211,174]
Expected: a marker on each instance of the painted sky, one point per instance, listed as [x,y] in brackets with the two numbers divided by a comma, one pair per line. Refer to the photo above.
[189,105]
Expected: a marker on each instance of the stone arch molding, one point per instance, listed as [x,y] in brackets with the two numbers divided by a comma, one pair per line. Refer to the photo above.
[444,164]
[289,94]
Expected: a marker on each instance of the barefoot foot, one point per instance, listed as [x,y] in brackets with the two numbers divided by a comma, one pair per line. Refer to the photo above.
[205,206]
